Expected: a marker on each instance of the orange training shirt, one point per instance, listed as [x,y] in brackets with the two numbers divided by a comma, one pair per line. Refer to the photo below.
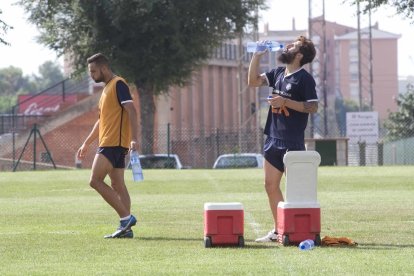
[114,122]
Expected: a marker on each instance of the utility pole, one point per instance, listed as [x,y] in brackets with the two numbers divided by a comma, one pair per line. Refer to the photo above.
[240,88]
[258,118]
[371,76]
[324,74]
[318,68]
[359,56]
[312,116]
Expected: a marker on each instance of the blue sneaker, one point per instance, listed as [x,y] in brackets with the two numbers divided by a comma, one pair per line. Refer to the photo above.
[124,227]
[128,223]
[128,234]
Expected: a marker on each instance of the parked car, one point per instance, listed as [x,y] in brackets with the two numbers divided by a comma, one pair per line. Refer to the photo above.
[160,161]
[239,160]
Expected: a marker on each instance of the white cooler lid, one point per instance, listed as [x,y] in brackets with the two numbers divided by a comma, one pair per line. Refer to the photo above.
[223,206]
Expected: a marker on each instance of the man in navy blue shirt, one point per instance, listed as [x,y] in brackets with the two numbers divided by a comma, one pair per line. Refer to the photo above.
[293,98]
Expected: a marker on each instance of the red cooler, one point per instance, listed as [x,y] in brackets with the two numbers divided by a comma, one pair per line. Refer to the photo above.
[299,216]
[223,224]
[296,224]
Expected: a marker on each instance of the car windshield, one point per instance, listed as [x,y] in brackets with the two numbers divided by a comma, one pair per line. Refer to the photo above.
[158,162]
[237,162]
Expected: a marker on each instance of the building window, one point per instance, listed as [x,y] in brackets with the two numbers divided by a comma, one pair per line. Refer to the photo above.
[353,51]
[353,44]
[354,91]
[353,70]
[354,76]
[233,52]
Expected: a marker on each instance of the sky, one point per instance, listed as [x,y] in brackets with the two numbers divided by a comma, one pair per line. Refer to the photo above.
[28,55]
[24,52]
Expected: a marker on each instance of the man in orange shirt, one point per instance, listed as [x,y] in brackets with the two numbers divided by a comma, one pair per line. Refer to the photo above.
[116,130]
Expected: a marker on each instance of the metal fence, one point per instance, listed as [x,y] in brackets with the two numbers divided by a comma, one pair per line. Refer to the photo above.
[399,152]
[196,148]
[36,108]
[25,145]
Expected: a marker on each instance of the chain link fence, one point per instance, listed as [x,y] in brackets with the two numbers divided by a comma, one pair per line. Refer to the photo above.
[26,144]
[196,148]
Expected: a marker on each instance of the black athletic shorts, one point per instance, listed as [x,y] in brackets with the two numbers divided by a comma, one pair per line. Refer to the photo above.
[115,155]
[274,150]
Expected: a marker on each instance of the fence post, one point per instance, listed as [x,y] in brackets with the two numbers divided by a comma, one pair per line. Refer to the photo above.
[63,91]
[14,147]
[380,153]
[14,137]
[218,142]
[394,154]
[362,151]
[168,139]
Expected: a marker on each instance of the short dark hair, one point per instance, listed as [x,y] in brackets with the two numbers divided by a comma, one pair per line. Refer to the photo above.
[307,49]
[99,58]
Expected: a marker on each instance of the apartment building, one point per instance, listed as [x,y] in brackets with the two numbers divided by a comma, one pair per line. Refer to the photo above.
[380,92]
[336,67]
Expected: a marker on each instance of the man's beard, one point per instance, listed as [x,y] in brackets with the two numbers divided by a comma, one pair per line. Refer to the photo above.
[98,80]
[287,57]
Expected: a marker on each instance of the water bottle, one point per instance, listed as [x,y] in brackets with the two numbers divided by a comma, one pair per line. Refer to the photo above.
[273,46]
[136,166]
[306,245]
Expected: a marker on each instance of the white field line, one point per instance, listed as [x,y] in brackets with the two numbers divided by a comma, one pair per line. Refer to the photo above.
[247,215]
[38,163]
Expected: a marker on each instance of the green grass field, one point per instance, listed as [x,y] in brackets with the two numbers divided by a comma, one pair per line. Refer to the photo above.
[52,223]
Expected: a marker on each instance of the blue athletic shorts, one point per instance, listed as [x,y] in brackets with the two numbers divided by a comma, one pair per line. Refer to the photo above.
[115,155]
[274,150]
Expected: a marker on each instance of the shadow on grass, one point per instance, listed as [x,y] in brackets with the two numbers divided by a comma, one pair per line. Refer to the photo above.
[382,246]
[167,239]
[262,246]
[249,243]
[372,246]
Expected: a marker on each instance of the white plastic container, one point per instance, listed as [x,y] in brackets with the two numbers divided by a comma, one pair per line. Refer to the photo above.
[272,46]
[307,245]
[136,166]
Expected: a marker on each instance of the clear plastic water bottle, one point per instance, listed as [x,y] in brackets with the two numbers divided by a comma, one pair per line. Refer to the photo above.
[136,166]
[307,245]
[273,46]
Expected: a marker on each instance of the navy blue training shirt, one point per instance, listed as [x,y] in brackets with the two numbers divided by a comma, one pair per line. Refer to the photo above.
[298,86]
[123,94]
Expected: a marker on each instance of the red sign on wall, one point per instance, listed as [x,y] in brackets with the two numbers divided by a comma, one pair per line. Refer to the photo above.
[43,104]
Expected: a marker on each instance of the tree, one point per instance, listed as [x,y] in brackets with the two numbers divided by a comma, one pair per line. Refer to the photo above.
[155,44]
[3,30]
[342,106]
[400,124]
[50,74]
[12,84]
[403,7]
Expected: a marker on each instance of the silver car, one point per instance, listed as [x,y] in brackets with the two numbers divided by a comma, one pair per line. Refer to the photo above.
[160,161]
